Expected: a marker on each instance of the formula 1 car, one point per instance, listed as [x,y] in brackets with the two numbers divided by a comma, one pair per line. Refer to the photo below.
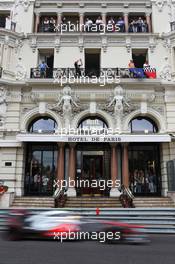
[66,225]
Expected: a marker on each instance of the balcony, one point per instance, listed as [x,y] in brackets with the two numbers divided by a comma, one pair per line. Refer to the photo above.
[108,73]
[93,22]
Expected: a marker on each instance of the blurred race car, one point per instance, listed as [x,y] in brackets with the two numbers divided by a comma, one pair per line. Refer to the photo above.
[65,225]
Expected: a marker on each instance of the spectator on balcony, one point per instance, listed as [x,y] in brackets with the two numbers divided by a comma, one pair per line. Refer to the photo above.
[146,65]
[46,23]
[145,26]
[135,72]
[111,24]
[43,67]
[98,22]
[8,23]
[133,26]
[140,25]
[131,64]
[78,65]
[88,24]
[121,24]
[52,24]
[150,72]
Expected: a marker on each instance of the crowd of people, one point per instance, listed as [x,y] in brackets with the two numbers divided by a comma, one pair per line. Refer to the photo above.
[48,24]
[8,22]
[146,72]
[143,182]
[136,25]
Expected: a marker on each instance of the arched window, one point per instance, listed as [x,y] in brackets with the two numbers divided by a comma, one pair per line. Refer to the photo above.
[143,125]
[42,125]
[93,124]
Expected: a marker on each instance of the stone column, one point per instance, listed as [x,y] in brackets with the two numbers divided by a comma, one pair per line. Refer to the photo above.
[148,21]
[103,16]
[72,169]
[125,166]
[37,22]
[60,166]
[125,15]
[81,21]
[114,171]
[59,21]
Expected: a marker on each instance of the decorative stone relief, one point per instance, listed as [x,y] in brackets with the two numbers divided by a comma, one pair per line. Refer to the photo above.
[152,44]
[18,45]
[24,3]
[160,4]
[21,71]
[128,44]
[118,104]
[66,105]
[33,44]
[166,71]
[57,44]
[3,106]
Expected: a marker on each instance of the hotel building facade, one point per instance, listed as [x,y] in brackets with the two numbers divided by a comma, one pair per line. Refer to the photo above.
[100,120]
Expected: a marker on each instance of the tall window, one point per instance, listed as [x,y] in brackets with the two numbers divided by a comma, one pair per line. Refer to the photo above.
[43,125]
[142,125]
[92,123]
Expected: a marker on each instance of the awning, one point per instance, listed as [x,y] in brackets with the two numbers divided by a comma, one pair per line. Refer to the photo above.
[95,138]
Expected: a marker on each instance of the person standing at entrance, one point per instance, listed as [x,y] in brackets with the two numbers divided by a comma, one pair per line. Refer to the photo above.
[78,65]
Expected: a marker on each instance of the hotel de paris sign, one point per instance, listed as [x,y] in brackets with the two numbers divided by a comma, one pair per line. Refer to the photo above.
[97,138]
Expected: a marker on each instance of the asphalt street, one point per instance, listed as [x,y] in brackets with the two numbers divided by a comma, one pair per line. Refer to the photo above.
[160,251]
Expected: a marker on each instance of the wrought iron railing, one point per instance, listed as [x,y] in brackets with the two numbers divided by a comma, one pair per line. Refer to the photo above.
[113,73]
[60,197]
[0,72]
[172,26]
[126,197]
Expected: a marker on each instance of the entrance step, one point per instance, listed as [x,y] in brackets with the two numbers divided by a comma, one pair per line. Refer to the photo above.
[31,202]
[153,202]
[93,202]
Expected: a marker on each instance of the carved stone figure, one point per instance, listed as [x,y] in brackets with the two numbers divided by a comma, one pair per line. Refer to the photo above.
[166,71]
[21,71]
[118,101]
[160,4]
[67,102]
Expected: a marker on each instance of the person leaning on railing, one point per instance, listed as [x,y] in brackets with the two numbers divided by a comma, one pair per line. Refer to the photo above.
[42,68]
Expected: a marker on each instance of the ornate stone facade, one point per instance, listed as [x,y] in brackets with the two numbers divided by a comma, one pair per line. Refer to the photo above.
[23,98]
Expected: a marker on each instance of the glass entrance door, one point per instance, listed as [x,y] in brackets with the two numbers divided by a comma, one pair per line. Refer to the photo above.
[40,169]
[144,168]
[92,170]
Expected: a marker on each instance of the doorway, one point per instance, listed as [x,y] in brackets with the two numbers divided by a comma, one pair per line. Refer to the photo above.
[92,170]
[139,57]
[41,167]
[92,62]
[47,55]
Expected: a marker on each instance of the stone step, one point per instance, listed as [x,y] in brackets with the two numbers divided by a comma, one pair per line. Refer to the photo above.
[29,202]
[31,206]
[93,202]
[153,202]
[92,206]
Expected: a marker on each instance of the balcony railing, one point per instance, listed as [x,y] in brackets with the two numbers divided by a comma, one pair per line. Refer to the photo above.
[0,72]
[113,73]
